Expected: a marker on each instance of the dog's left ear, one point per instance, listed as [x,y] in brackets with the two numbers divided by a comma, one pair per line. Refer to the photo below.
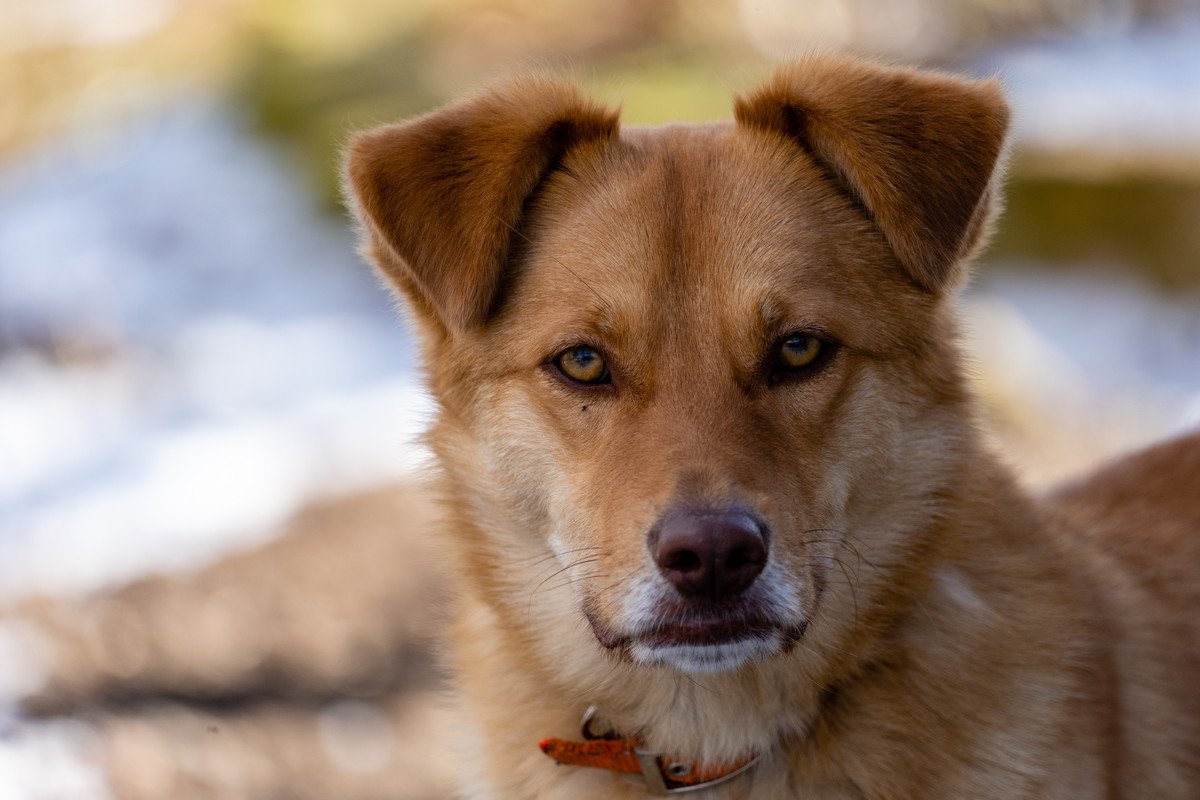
[917,150]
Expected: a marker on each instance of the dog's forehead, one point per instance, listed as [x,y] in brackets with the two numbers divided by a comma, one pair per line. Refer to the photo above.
[690,222]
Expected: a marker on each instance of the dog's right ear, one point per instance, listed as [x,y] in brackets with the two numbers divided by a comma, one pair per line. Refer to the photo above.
[440,197]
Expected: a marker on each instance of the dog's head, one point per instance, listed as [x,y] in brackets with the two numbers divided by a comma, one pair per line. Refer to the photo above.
[707,372]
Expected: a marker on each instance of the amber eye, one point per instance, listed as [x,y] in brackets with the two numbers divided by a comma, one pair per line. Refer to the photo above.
[583,364]
[799,351]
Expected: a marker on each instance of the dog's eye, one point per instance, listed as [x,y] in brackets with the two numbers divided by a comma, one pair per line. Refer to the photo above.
[799,352]
[583,364]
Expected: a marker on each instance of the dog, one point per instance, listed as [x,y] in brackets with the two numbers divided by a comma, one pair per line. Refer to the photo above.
[713,478]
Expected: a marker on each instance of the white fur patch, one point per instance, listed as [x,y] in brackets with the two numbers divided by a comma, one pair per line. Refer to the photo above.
[709,658]
[642,597]
[957,588]
[559,546]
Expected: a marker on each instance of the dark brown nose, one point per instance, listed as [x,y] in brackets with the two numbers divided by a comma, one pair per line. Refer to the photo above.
[709,554]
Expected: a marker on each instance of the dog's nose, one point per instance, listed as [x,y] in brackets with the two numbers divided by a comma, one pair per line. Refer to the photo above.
[709,554]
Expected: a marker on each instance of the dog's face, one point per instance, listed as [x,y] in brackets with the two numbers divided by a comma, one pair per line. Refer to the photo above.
[705,367]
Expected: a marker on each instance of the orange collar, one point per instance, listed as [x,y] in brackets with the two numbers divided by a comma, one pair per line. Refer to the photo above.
[663,774]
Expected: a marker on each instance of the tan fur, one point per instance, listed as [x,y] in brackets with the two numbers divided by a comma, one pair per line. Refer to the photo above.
[961,640]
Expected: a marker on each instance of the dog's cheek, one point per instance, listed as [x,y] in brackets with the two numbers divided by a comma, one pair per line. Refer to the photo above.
[527,451]
[516,453]
[884,454]
[897,448]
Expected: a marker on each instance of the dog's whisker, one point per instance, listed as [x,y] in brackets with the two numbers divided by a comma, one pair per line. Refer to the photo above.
[695,683]
[806,646]
[578,563]
[571,581]
[853,587]
[844,539]
[533,561]
[606,589]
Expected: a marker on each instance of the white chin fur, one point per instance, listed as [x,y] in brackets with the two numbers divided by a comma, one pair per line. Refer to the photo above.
[708,658]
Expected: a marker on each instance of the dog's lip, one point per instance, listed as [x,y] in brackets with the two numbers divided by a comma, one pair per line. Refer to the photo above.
[712,631]
[709,630]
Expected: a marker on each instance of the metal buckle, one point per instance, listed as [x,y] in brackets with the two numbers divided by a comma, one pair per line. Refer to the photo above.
[658,776]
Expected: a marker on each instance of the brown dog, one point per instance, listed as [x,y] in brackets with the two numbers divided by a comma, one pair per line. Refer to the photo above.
[711,466]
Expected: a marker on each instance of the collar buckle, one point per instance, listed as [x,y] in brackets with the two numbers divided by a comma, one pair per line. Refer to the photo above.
[658,772]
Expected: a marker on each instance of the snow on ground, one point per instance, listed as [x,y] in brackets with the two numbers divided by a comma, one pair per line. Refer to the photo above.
[238,358]
[189,351]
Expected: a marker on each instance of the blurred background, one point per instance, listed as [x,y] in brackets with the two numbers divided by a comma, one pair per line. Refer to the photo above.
[215,571]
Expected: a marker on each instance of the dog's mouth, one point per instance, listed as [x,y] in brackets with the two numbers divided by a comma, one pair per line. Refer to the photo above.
[708,631]
[701,642]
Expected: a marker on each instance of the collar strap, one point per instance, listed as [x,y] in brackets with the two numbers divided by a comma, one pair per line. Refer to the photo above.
[663,774]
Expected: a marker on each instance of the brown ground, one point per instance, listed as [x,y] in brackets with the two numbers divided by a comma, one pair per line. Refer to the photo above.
[302,669]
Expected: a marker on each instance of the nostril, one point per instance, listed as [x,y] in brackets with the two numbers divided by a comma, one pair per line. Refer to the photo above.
[750,554]
[682,560]
[738,558]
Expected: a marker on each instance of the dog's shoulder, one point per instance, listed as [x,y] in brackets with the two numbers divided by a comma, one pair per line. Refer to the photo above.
[1132,529]
[1135,524]
[1143,508]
